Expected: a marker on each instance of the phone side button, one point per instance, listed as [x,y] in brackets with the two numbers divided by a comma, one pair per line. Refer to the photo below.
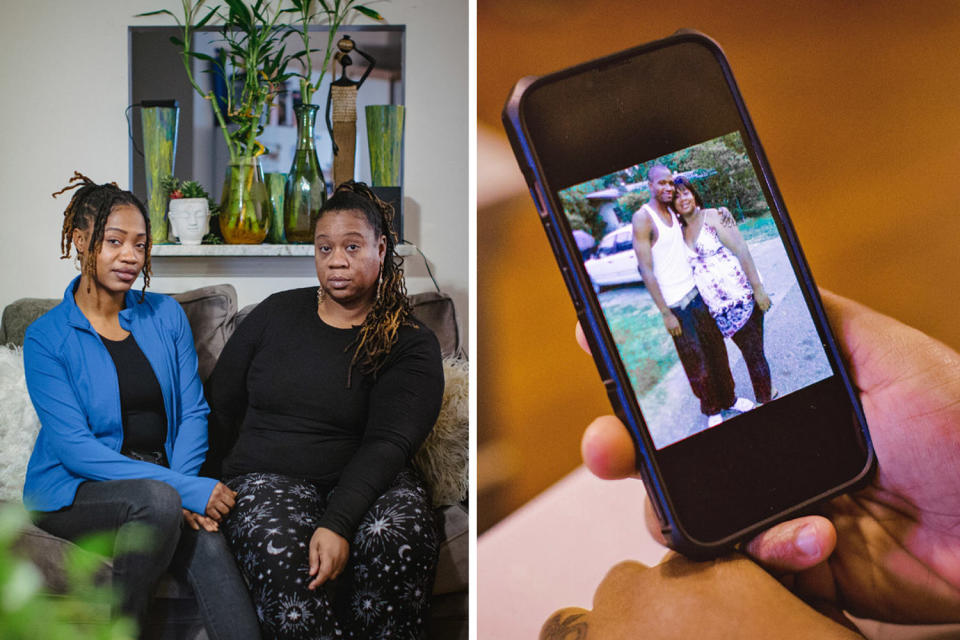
[538,198]
[611,388]
[568,280]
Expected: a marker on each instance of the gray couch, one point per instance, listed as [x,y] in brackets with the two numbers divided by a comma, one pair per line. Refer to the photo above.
[212,312]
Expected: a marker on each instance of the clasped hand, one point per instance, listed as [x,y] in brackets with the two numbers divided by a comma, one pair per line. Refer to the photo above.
[222,500]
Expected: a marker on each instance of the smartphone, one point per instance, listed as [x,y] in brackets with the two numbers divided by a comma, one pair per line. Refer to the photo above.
[691,287]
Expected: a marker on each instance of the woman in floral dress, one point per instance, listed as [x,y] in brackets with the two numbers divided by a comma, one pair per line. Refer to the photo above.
[728,280]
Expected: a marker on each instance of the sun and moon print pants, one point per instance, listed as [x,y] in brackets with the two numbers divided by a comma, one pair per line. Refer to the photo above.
[382,593]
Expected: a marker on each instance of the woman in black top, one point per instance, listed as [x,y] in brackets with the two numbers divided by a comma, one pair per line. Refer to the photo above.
[322,397]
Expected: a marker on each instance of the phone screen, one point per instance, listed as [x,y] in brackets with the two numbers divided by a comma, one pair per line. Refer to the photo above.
[714,234]
[735,395]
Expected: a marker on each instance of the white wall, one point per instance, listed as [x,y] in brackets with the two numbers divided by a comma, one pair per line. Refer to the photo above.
[64,82]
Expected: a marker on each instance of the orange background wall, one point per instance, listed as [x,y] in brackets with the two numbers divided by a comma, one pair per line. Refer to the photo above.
[857,105]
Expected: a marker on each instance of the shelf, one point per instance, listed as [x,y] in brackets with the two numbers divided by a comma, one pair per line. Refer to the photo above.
[250,250]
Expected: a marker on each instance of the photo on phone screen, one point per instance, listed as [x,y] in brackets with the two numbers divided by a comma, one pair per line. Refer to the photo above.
[741,333]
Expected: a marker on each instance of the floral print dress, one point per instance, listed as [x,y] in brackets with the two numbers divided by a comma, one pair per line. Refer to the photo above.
[721,281]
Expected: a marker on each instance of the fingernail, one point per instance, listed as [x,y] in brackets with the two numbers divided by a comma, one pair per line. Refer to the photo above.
[807,541]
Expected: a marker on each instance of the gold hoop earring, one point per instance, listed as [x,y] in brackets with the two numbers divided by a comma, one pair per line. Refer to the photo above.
[320,295]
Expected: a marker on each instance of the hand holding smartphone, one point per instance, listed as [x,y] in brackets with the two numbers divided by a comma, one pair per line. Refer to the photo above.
[691,289]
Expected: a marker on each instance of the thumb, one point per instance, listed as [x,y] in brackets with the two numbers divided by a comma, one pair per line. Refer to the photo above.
[795,545]
[314,557]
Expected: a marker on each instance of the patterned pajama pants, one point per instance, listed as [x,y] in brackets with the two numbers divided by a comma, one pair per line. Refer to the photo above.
[385,588]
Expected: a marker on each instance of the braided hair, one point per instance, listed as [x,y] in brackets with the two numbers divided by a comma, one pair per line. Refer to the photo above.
[391,308]
[89,208]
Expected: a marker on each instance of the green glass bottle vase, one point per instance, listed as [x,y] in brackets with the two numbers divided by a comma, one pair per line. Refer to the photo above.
[306,189]
[245,208]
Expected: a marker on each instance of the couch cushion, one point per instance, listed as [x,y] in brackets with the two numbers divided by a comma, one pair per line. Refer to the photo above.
[433,309]
[453,572]
[436,310]
[211,311]
[18,315]
[49,554]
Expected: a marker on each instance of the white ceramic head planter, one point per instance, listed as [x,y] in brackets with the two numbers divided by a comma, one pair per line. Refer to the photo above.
[190,219]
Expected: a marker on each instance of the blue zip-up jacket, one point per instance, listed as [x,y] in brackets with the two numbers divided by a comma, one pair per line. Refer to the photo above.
[73,385]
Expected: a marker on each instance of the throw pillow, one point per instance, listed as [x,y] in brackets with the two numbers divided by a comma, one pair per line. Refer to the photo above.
[18,424]
[444,457]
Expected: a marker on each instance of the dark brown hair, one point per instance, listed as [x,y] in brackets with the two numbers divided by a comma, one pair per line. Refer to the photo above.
[391,307]
[680,181]
[89,208]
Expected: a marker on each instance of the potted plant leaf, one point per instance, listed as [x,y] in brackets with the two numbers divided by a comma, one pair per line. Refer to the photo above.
[253,62]
[305,190]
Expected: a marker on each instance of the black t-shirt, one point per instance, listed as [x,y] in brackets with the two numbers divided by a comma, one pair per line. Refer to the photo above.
[279,390]
[141,399]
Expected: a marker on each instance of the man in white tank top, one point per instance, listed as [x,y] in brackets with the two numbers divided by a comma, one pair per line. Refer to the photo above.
[662,260]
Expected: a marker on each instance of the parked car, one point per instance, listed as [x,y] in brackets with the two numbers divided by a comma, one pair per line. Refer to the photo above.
[615,261]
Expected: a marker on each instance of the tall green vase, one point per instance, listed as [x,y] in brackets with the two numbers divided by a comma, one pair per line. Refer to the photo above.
[385,142]
[306,188]
[160,125]
[276,183]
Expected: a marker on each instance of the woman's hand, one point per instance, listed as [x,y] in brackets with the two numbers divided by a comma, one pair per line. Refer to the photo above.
[892,550]
[195,521]
[328,556]
[221,501]
[761,298]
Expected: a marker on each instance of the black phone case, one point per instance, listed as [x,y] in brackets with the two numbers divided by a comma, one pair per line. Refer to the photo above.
[591,317]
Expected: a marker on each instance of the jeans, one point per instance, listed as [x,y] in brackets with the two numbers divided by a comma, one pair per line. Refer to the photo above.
[130,507]
[703,355]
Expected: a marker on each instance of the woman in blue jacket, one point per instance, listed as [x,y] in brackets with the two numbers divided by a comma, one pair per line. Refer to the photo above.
[113,376]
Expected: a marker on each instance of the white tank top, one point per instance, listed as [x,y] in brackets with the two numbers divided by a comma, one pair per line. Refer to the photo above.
[670,265]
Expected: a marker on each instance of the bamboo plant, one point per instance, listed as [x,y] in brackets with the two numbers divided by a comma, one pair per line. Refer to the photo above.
[254,54]
[334,13]
[253,63]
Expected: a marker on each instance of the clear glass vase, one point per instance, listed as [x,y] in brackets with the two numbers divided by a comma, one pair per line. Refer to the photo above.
[306,189]
[245,208]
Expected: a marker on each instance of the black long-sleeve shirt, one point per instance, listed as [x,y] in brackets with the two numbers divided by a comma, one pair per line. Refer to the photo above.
[280,391]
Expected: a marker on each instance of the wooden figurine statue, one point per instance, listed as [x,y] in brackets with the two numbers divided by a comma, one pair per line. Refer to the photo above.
[341,112]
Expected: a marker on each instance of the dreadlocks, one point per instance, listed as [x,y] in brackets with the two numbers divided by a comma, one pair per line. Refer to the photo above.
[89,208]
[391,308]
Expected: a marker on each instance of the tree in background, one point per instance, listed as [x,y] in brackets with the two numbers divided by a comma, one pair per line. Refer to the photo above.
[734,185]
[720,168]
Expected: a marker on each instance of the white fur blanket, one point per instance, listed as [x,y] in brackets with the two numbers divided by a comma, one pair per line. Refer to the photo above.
[18,424]
[444,457]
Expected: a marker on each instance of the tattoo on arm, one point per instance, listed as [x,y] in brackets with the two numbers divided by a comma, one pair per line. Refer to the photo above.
[565,626]
[726,218]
